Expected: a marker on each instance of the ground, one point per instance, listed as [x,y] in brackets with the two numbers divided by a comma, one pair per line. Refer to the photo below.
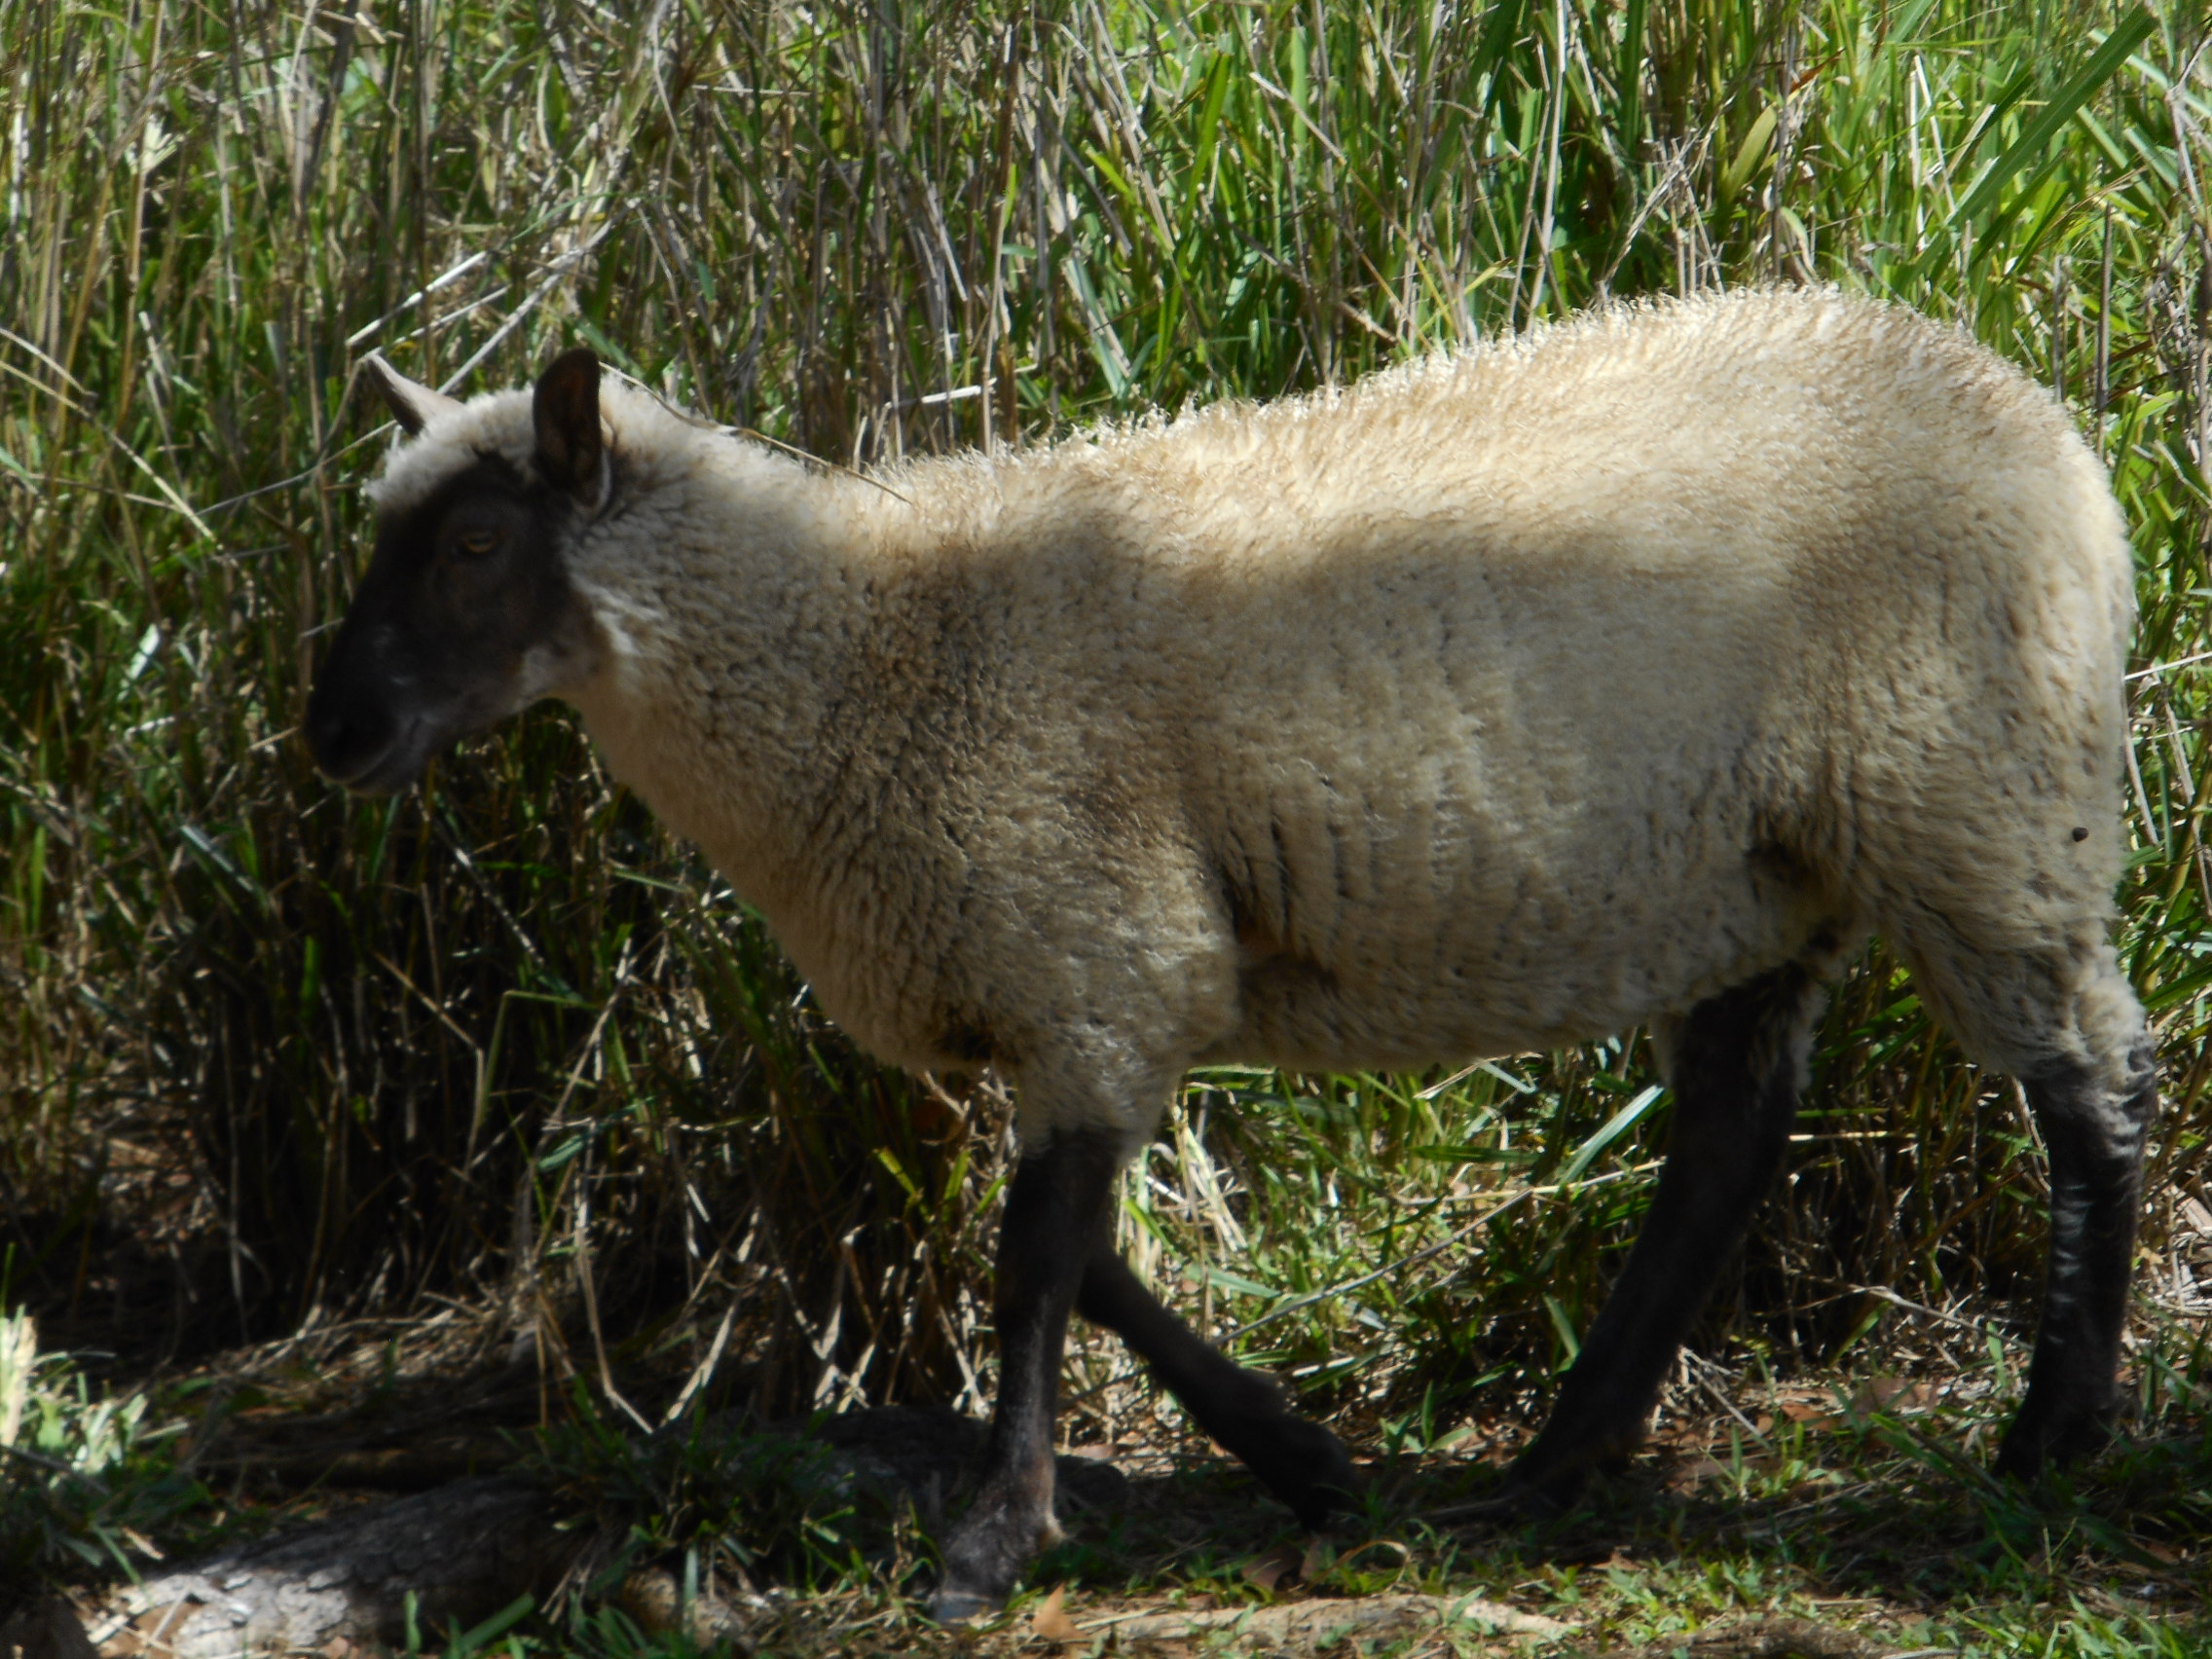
[1836,1518]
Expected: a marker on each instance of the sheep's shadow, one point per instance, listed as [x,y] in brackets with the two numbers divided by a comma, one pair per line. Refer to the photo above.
[1882,1515]
[1870,1511]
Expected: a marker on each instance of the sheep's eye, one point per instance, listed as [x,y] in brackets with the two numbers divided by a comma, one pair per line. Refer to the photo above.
[478,541]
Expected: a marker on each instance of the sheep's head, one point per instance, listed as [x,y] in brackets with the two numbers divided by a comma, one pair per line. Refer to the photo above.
[466,612]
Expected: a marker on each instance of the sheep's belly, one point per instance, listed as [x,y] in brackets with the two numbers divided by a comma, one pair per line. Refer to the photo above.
[1409,1002]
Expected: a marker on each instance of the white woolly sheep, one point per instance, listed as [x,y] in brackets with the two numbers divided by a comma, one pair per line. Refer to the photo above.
[1634,671]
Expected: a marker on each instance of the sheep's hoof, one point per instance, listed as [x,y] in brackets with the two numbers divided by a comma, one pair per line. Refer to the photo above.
[1516,1507]
[952,1606]
[1308,1468]
[2035,1446]
[980,1563]
[1518,1502]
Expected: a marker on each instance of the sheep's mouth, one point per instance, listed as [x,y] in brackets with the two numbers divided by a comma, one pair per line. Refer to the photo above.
[388,770]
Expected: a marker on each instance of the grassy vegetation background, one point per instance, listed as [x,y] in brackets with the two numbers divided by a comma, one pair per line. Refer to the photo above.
[270,1058]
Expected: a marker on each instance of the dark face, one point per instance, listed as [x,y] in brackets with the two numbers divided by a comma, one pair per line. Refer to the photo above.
[465,614]
[464,606]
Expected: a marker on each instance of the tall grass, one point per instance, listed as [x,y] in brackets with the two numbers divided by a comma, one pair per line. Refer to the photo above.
[269,1056]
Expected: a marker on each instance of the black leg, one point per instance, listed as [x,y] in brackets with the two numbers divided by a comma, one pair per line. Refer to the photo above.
[1056,1215]
[1737,1067]
[1301,1463]
[2094,1138]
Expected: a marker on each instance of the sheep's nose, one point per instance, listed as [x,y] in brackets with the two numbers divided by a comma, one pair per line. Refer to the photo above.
[347,732]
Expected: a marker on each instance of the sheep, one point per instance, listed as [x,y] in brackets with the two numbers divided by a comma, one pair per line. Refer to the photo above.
[1634,671]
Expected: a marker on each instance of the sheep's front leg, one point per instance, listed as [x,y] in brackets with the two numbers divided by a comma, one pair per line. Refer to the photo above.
[1056,1222]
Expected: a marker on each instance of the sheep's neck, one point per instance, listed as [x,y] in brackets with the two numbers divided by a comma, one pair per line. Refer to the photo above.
[725,719]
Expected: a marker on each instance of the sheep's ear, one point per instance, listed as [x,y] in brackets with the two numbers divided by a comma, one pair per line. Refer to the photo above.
[413,406]
[566,410]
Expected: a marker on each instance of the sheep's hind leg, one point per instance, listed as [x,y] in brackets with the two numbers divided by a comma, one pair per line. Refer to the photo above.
[2060,1017]
[1056,1223]
[1737,1064]
[2094,1130]
[1299,1461]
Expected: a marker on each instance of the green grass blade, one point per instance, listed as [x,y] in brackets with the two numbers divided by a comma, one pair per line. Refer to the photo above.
[2132,31]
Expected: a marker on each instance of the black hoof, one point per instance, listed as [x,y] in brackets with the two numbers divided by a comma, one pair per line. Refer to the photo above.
[2035,1446]
[1308,1468]
[983,1558]
[1516,1503]
[952,1606]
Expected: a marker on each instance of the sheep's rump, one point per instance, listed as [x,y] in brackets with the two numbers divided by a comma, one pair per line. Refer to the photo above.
[1520,696]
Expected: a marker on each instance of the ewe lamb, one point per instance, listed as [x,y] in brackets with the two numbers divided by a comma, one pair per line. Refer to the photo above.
[1634,671]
